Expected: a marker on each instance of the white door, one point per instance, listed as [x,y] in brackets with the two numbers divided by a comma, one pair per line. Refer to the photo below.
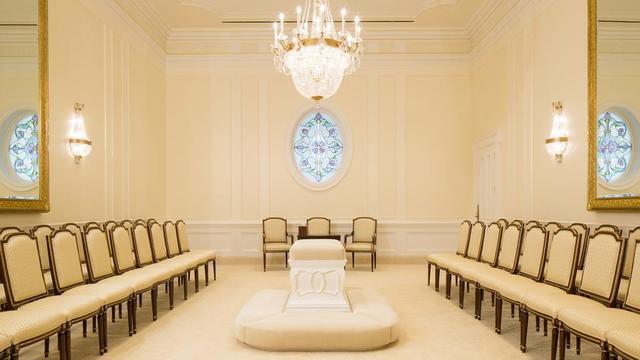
[487,178]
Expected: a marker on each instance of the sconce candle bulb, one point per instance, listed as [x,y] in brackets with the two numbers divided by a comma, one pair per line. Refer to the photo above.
[79,143]
[558,140]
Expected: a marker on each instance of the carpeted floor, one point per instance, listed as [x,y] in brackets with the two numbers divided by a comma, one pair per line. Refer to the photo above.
[201,328]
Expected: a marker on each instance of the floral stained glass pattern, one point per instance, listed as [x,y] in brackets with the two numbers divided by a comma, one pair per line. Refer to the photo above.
[23,149]
[318,148]
[614,147]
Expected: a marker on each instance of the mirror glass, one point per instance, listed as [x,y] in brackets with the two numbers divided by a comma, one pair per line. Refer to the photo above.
[20,100]
[617,113]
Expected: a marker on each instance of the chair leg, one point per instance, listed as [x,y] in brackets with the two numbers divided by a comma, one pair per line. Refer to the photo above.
[578,345]
[562,339]
[437,280]
[524,327]
[498,325]
[467,287]
[154,302]
[264,261]
[46,347]
[372,262]
[84,328]
[104,334]
[184,287]
[447,287]
[67,341]
[568,339]
[171,292]
[375,260]
[554,341]
[206,274]
[130,315]
[428,274]
[537,323]
[513,311]
[197,279]
[215,275]
[120,311]
[544,327]
[93,324]
[478,303]
[134,316]
[286,259]
[140,300]
[353,260]
[61,343]
[101,320]
[604,353]
[461,294]
[493,299]
[113,314]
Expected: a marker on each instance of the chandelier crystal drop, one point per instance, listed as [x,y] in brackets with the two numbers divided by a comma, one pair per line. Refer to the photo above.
[316,55]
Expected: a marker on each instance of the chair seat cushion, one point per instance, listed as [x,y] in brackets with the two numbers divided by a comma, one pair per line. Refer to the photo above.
[108,292]
[437,258]
[598,321]
[475,271]
[206,254]
[360,246]
[25,324]
[174,265]
[5,342]
[71,306]
[550,303]
[460,264]
[138,279]
[626,341]
[189,260]
[276,247]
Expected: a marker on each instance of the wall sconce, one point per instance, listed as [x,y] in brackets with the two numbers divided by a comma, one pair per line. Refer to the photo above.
[558,140]
[79,143]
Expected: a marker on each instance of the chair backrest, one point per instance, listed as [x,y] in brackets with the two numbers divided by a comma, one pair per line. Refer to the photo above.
[77,231]
[551,228]
[128,224]
[274,230]
[608,227]
[475,241]
[123,255]
[91,224]
[41,232]
[365,229]
[142,245]
[66,268]
[534,247]
[630,253]
[518,222]
[632,302]
[158,243]
[602,267]
[531,223]
[584,232]
[9,230]
[108,225]
[318,226]
[21,269]
[183,240]
[491,243]
[562,258]
[510,247]
[463,238]
[503,223]
[171,236]
[98,259]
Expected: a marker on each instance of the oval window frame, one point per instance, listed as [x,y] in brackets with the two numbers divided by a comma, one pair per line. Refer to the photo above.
[345,130]
[632,174]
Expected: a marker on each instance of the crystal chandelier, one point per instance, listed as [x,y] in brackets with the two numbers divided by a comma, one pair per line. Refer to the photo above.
[316,56]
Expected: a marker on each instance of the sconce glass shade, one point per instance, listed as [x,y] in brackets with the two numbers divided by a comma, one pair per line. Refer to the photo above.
[79,142]
[558,141]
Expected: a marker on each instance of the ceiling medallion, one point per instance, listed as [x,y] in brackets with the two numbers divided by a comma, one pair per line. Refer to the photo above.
[317,56]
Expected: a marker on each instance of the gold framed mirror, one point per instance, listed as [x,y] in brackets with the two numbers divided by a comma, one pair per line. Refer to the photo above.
[614,105]
[24,172]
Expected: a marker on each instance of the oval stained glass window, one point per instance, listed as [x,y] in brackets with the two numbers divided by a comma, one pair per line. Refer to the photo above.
[318,147]
[614,146]
[23,149]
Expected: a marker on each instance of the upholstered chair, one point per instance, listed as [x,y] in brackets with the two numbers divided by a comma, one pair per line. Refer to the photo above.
[206,255]
[474,250]
[173,251]
[77,231]
[178,266]
[318,226]
[529,270]
[27,290]
[69,279]
[506,263]
[585,234]
[466,270]
[440,259]
[592,323]
[602,269]
[363,239]
[275,239]
[629,255]
[560,270]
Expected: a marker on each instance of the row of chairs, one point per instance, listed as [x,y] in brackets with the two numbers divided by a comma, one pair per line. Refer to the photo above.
[585,281]
[276,238]
[122,261]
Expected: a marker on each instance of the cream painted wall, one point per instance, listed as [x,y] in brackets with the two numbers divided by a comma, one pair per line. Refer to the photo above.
[228,138]
[541,57]
[96,58]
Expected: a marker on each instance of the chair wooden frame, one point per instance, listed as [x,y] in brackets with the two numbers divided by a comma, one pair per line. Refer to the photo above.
[182,251]
[564,330]
[585,236]
[287,237]
[373,251]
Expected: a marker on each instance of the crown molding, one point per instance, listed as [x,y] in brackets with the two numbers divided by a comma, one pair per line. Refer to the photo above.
[149,11]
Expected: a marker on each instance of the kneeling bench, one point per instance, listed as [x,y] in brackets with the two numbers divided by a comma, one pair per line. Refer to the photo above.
[265,324]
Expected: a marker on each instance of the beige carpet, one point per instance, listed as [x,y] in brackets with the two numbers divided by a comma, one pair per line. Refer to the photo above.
[201,328]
